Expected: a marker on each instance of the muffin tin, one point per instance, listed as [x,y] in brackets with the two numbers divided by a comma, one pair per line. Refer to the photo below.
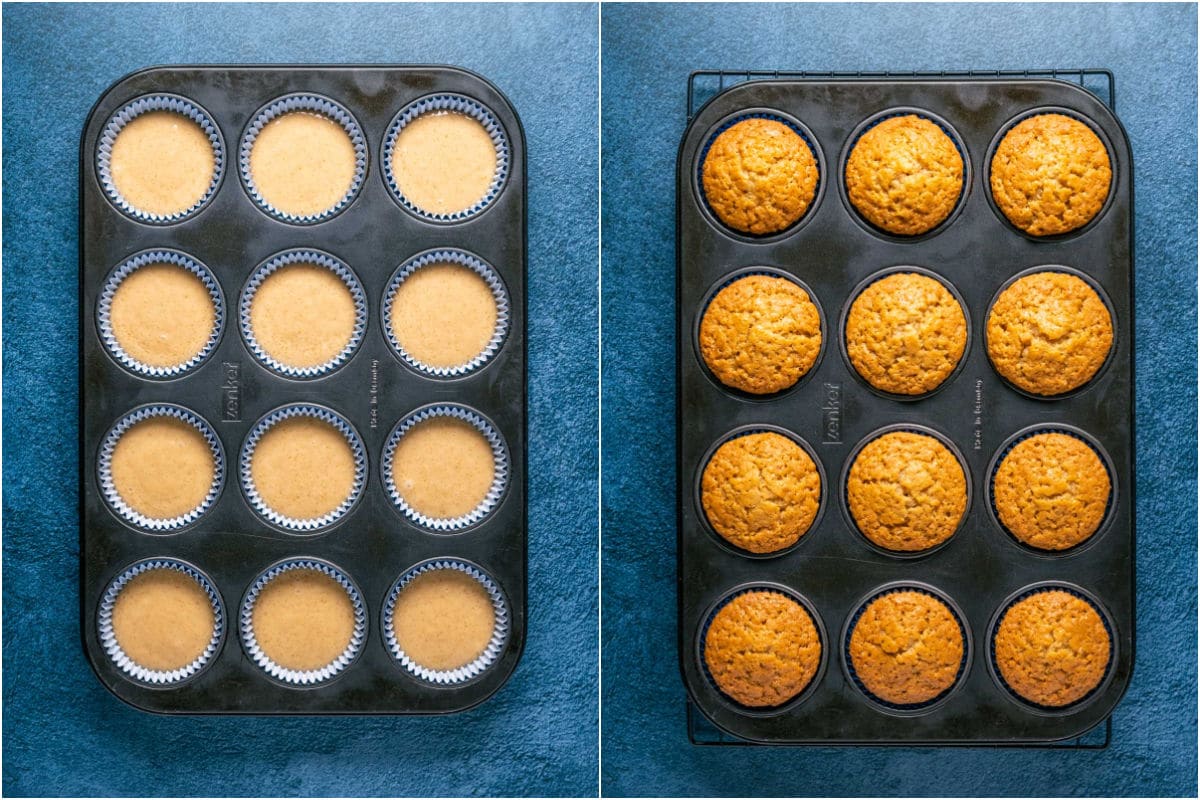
[831,250]
[372,543]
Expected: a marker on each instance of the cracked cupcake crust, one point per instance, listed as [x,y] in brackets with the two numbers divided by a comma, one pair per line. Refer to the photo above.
[1050,174]
[1051,491]
[759,176]
[760,334]
[761,492]
[906,647]
[762,649]
[905,333]
[906,491]
[1052,648]
[1049,333]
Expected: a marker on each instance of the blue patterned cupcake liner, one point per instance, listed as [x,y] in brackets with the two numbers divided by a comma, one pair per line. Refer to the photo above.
[319,259]
[317,105]
[108,637]
[312,676]
[109,490]
[480,268]
[485,659]
[127,268]
[272,419]
[500,459]
[131,111]
[454,103]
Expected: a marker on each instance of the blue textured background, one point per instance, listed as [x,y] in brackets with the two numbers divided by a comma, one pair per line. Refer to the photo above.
[63,733]
[648,52]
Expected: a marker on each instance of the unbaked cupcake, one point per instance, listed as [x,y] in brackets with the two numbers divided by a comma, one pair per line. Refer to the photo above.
[163,164]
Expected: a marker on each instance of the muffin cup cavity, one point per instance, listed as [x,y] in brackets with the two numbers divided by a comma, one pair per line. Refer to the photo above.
[311,677]
[481,268]
[131,111]
[108,637]
[260,429]
[458,104]
[480,664]
[499,458]
[109,490]
[315,104]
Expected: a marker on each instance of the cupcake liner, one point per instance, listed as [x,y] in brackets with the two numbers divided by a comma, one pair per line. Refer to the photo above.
[480,268]
[460,104]
[317,105]
[468,671]
[499,454]
[320,259]
[108,638]
[312,676]
[109,490]
[269,421]
[131,111]
[127,268]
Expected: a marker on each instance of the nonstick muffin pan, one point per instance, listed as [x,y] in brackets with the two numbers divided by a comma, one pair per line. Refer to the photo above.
[371,547]
[981,569]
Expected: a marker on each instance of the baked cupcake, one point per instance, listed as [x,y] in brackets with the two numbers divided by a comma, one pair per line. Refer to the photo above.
[905,333]
[760,334]
[1052,648]
[1049,333]
[759,176]
[906,648]
[1051,491]
[444,625]
[761,492]
[1050,174]
[162,164]
[163,622]
[906,491]
[762,649]
[904,175]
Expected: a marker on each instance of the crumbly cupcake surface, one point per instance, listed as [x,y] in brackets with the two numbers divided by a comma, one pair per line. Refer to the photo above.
[904,175]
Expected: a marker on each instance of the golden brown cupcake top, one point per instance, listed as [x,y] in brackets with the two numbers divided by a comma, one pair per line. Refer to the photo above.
[904,175]
[1050,174]
[760,334]
[1049,333]
[905,333]
[1052,648]
[762,649]
[906,647]
[759,176]
[906,491]
[1051,491]
[761,492]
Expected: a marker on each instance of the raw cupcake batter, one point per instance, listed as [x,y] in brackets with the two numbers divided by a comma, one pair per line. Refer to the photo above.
[444,162]
[303,468]
[302,315]
[303,620]
[162,315]
[163,620]
[443,619]
[443,467]
[302,163]
[443,315]
[162,467]
[162,163]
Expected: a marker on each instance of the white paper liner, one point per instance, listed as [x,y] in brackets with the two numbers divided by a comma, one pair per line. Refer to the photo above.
[468,671]
[499,455]
[109,490]
[108,638]
[453,103]
[311,676]
[319,259]
[127,268]
[480,268]
[131,111]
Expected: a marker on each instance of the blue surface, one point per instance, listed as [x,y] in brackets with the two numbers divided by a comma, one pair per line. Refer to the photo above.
[648,52]
[63,733]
